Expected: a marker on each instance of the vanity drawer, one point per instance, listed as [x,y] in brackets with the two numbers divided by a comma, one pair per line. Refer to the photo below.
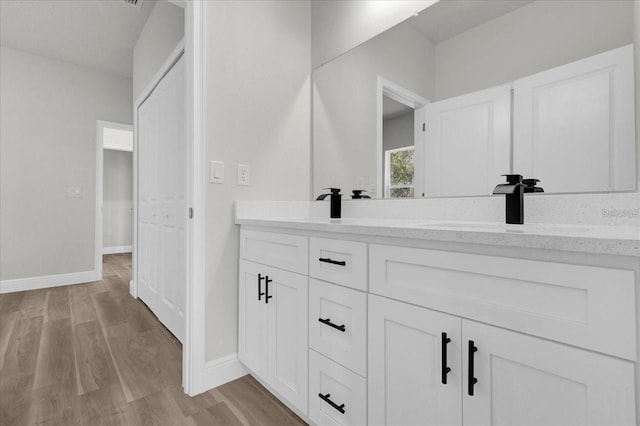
[284,251]
[342,333]
[338,261]
[586,306]
[338,385]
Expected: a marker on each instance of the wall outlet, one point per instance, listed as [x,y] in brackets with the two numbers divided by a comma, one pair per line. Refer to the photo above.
[74,192]
[243,174]
[216,172]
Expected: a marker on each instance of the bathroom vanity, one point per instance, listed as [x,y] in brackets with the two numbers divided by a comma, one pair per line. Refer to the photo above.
[404,322]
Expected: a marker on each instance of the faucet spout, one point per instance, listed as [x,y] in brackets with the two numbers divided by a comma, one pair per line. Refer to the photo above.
[514,192]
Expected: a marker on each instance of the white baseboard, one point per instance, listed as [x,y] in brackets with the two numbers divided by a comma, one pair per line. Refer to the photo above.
[220,371]
[133,289]
[117,249]
[33,283]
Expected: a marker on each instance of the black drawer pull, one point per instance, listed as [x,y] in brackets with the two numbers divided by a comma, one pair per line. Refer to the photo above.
[330,324]
[267,281]
[333,262]
[326,399]
[445,368]
[260,292]
[472,379]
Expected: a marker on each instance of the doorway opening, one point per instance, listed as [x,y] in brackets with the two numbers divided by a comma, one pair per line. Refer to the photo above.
[114,190]
[401,141]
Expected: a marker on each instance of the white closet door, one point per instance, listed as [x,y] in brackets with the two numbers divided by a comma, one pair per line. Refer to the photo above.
[574,125]
[468,143]
[148,208]
[162,201]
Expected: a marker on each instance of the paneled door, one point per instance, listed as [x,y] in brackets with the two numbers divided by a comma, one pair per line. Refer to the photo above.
[252,315]
[288,344]
[162,206]
[574,125]
[523,380]
[467,143]
[415,370]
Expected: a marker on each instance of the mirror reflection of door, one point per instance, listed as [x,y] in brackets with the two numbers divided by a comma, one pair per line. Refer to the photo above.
[398,148]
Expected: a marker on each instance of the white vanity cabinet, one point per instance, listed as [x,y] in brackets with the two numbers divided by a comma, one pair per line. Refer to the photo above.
[337,332]
[393,331]
[272,329]
[521,378]
[423,370]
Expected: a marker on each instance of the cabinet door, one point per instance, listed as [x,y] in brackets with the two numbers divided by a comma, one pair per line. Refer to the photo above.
[252,319]
[288,344]
[523,380]
[574,125]
[468,143]
[405,365]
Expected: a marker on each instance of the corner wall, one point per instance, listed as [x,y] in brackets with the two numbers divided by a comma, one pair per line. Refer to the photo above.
[48,114]
[257,108]
[160,35]
[338,25]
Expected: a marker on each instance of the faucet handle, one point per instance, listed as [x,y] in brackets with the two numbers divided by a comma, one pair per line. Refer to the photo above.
[333,190]
[357,194]
[530,185]
[513,179]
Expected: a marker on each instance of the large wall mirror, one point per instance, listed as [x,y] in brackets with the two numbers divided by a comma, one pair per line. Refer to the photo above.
[446,102]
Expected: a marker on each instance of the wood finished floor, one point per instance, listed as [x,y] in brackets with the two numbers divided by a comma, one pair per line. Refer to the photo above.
[90,354]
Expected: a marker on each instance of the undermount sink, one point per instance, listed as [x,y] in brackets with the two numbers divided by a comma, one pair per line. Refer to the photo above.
[501,227]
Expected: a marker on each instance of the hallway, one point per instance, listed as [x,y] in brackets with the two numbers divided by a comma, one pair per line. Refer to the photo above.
[90,354]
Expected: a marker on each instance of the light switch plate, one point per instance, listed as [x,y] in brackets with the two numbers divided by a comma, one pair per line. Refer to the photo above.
[243,174]
[74,192]
[216,172]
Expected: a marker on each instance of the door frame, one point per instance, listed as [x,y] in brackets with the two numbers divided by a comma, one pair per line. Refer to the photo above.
[193,353]
[99,226]
[417,103]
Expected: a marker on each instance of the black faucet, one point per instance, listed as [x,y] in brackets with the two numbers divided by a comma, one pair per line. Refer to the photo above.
[358,194]
[336,198]
[514,191]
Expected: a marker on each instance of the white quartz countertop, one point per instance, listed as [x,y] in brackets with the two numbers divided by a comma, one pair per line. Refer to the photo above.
[615,240]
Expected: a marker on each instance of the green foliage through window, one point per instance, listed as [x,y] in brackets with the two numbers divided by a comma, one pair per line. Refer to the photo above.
[401,169]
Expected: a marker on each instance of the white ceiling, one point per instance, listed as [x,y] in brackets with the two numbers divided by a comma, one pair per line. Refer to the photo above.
[98,34]
[448,18]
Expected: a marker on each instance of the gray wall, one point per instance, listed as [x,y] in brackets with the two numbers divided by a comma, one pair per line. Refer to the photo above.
[48,120]
[636,41]
[117,198]
[397,132]
[257,109]
[338,25]
[533,38]
[161,34]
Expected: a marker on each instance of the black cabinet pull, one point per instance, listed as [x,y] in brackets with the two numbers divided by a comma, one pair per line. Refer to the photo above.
[326,399]
[472,379]
[266,282]
[330,324]
[260,292]
[333,262]
[445,369]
